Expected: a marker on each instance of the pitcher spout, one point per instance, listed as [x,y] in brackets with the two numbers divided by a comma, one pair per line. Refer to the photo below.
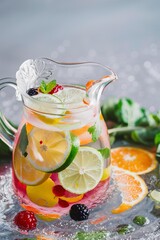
[95,88]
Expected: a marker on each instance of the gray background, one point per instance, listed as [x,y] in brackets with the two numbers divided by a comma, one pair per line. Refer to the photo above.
[123,34]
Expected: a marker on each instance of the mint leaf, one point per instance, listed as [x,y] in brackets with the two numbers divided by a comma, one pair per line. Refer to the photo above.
[50,86]
[43,87]
[23,141]
[105,152]
[140,220]
[99,235]
[124,229]
[95,130]
[129,112]
[47,87]
[157,138]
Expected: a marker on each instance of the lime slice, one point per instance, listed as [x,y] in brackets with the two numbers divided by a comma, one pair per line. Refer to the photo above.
[71,95]
[155,195]
[25,172]
[42,198]
[43,105]
[84,173]
[43,97]
[50,151]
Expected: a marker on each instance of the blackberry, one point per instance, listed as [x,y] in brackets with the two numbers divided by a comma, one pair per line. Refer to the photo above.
[32,91]
[79,212]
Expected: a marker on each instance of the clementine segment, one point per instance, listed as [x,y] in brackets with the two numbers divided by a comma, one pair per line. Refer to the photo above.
[89,84]
[132,187]
[133,159]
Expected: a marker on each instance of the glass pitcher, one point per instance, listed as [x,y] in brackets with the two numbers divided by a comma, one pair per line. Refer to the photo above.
[61,148]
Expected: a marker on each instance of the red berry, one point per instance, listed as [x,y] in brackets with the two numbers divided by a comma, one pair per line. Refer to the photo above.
[60,87]
[63,203]
[25,220]
[58,190]
[56,89]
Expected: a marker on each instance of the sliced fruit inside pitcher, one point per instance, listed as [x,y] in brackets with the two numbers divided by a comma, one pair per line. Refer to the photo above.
[42,194]
[71,95]
[25,172]
[84,173]
[51,151]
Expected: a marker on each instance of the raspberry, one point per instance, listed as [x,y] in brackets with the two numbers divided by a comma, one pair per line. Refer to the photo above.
[32,91]
[56,89]
[58,190]
[79,212]
[25,220]
[63,203]
[60,87]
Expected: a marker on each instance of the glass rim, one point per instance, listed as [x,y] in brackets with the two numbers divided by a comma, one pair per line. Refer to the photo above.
[68,64]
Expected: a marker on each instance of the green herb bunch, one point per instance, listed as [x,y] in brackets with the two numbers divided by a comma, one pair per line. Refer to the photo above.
[127,120]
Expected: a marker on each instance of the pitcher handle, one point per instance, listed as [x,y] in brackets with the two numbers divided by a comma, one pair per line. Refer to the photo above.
[7,131]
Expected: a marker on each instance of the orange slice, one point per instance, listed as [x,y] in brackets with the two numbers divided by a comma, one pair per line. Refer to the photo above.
[25,172]
[28,127]
[82,133]
[72,199]
[89,84]
[132,187]
[81,130]
[136,160]
[39,212]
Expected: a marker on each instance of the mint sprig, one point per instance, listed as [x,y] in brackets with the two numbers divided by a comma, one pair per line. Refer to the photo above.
[105,152]
[47,87]
[95,131]
[23,141]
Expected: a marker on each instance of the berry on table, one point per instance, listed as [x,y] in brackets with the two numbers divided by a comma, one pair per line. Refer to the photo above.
[25,220]
[32,91]
[79,212]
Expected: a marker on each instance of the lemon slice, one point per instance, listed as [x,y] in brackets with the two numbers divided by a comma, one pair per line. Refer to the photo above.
[50,151]
[25,172]
[106,173]
[84,173]
[42,194]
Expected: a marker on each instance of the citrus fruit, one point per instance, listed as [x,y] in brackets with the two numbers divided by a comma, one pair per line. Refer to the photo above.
[82,133]
[24,170]
[84,173]
[72,198]
[50,151]
[136,160]
[28,127]
[71,95]
[155,195]
[42,194]
[89,84]
[132,187]
[106,173]
[48,103]
[40,213]
[47,98]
